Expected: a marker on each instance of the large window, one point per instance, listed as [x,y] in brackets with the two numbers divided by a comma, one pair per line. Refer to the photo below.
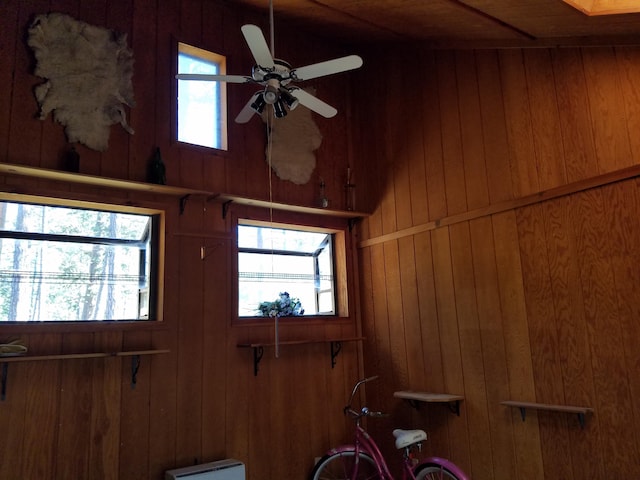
[202,117]
[78,261]
[278,259]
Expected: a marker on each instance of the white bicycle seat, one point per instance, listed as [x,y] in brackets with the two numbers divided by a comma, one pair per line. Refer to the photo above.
[404,438]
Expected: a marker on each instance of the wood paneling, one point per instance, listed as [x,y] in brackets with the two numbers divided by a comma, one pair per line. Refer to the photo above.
[201,402]
[534,302]
[531,300]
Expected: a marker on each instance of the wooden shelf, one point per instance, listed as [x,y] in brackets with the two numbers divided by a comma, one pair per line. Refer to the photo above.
[258,348]
[92,180]
[184,193]
[72,356]
[414,399]
[523,406]
[135,355]
[252,202]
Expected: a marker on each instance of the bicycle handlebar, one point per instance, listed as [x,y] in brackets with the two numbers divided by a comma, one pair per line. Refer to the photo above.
[364,412]
[357,385]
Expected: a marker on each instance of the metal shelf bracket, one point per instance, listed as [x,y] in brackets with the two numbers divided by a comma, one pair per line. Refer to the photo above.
[336,347]
[3,389]
[258,352]
[135,366]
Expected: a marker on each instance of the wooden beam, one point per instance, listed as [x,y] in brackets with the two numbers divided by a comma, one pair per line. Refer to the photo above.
[571,188]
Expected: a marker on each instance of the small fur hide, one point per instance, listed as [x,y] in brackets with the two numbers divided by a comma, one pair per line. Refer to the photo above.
[294,139]
[88,71]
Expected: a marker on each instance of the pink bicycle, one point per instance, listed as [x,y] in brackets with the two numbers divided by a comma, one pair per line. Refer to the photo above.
[362,460]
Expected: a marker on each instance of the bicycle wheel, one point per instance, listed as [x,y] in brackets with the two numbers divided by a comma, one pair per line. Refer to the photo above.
[340,466]
[432,471]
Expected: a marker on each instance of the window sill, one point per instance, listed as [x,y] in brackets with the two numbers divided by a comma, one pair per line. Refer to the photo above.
[316,320]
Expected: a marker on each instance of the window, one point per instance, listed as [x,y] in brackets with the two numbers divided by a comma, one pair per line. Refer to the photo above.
[202,116]
[274,259]
[78,261]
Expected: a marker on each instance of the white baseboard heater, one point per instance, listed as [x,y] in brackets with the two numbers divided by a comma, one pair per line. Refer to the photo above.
[229,469]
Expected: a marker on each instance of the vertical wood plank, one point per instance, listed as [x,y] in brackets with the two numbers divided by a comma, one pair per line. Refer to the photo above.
[545,117]
[143,116]
[475,381]
[471,128]
[590,225]
[9,11]
[115,160]
[452,365]
[190,349]
[574,350]
[524,176]
[496,145]
[428,314]
[543,336]
[575,118]
[162,404]
[397,150]
[368,312]
[25,130]
[608,114]
[216,313]
[74,429]
[623,201]
[492,337]
[454,178]
[13,418]
[408,263]
[432,134]
[629,65]
[381,325]
[396,321]
[134,409]
[528,454]
[105,414]
[42,408]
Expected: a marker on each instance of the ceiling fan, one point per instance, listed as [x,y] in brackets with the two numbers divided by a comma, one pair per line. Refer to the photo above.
[277,78]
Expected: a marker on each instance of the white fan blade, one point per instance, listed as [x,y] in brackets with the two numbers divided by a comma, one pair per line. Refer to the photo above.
[258,45]
[329,67]
[214,78]
[313,103]
[247,112]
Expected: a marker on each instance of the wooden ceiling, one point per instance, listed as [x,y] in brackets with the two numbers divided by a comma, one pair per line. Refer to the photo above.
[453,23]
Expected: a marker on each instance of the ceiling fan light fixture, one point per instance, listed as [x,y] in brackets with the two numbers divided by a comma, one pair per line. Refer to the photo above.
[279,110]
[271,93]
[291,101]
[259,103]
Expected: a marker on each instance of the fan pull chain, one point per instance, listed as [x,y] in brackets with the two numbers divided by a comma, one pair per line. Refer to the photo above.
[271,28]
[269,124]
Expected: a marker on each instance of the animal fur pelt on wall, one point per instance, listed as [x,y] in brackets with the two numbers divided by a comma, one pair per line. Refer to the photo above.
[88,71]
[294,139]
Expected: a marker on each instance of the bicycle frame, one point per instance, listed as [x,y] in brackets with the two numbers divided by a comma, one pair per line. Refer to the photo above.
[364,443]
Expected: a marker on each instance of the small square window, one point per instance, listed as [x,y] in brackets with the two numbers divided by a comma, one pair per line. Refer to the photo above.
[202,113]
[275,260]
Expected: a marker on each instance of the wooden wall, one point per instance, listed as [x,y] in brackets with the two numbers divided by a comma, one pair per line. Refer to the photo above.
[474,284]
[201,402]
[464,287]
